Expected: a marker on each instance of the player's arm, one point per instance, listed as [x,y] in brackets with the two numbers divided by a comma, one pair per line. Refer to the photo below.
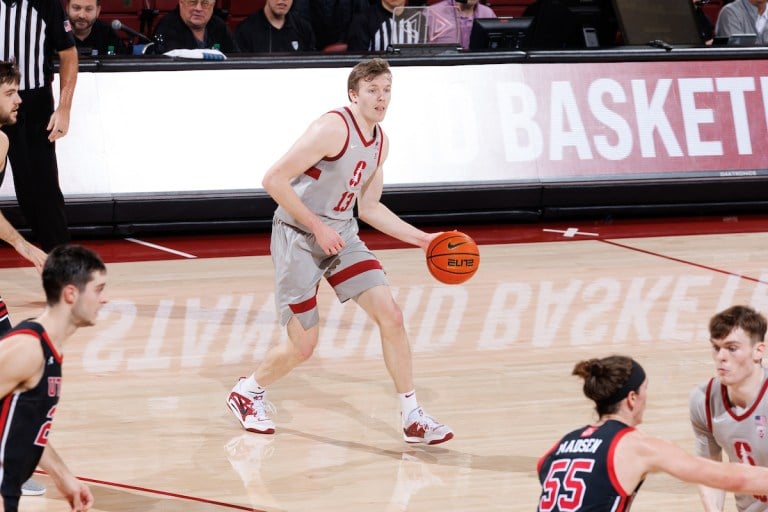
[21,363]
[374,213]
[661,455]
[8,233]
[324,137]
[712,499]
[77,493]
[32,253]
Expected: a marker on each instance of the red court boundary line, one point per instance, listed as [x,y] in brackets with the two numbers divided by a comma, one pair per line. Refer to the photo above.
[680,260]
[164,493]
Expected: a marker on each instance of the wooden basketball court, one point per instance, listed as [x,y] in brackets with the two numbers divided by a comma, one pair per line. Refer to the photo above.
[143,415]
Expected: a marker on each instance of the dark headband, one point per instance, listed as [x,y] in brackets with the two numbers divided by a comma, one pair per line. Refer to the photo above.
[636,379]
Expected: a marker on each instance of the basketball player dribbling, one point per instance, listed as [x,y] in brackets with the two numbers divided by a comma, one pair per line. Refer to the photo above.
[337,163]
[729,412]
[30,374]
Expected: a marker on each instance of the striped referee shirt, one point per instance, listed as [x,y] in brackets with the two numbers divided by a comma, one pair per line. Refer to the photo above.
[30,32]
[377,28]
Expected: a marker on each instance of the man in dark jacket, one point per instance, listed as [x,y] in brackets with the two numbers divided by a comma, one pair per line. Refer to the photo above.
[193,26]
[330,19]
[275,29]
[92,36]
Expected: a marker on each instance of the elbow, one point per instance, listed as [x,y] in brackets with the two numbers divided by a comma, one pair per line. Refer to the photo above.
[363,212]
[267,183]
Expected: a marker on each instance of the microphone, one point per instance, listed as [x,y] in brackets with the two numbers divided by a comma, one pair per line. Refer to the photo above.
[128,30]
[660,43]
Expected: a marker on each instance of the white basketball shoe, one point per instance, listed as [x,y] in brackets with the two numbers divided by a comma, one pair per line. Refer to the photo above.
[251,409]
[422,428]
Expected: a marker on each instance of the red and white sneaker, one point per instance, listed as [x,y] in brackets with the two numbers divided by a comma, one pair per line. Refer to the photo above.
[251,410]
[421,428]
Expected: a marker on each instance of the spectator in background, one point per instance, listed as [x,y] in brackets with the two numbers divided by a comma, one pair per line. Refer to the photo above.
[41,29]
[330,20]
[744,17]
[461,14]
[92,36]
[275,29]
[191,26]
[374,30]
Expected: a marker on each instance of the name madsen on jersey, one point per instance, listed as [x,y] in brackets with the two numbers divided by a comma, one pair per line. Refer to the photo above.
[588,445]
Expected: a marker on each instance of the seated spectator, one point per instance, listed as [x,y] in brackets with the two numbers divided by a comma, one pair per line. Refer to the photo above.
[463,14]
[275,29]
[374,29]
[92,36]
[743,17]
[193,26]
[330,20]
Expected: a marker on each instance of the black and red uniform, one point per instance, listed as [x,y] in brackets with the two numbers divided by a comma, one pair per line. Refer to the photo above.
[578,472]
[25,419]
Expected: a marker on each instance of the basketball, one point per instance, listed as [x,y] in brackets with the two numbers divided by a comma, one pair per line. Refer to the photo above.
[453,257]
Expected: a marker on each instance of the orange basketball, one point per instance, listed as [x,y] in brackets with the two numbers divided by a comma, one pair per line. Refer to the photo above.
[453,257]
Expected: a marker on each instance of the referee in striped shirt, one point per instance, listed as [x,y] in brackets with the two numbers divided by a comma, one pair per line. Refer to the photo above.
[30,32]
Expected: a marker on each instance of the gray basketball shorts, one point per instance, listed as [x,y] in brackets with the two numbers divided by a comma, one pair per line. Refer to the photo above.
[300,264]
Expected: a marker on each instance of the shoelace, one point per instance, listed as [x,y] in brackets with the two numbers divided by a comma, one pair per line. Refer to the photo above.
[427,422]
[261,408]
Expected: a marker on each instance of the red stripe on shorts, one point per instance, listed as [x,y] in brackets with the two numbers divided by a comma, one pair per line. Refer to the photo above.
[303,307]
[354,270]
[313,173]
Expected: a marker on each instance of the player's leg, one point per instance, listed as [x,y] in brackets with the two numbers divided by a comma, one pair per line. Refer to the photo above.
[298,269]
[360,276]
[381,307]
[418,426]
[287,355]
[247,400]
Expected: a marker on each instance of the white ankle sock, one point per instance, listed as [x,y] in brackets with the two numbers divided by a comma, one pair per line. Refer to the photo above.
[250,385]
[408,402]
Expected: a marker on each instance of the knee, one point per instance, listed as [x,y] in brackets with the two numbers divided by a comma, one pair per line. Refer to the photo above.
[303,352]
[302,342]
[391,317]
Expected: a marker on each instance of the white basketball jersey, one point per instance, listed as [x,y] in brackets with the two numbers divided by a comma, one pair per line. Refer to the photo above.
[741,433]
[330,187]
